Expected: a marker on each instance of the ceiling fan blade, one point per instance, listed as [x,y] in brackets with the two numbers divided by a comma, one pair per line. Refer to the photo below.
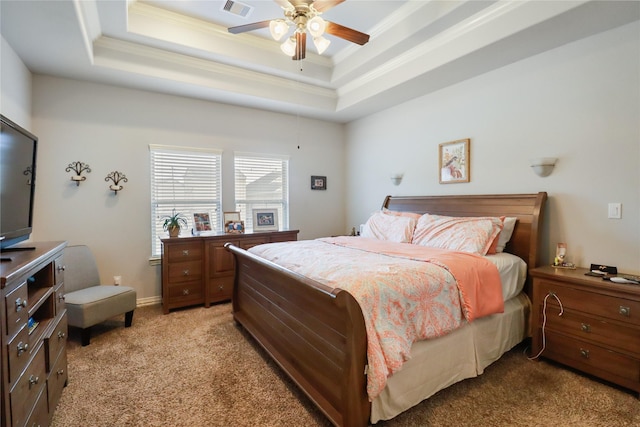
[346,33]
[248,27]
[301,46]
[324,5]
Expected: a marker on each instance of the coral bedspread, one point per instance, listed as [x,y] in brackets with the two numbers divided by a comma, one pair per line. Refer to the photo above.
[406,292]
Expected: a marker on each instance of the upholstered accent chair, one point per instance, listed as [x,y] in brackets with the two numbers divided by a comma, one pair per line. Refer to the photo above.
[88,302]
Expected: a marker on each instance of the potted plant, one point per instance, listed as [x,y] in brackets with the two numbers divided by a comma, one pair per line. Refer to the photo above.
[174,222]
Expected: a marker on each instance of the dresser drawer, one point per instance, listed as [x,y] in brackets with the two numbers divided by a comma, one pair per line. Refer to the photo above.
[58,265]
[27,389]
[16,304]
[58,297]
[220,289]
[183,252]
[185,292]
[185,271]
[39,416]
[18,354]
[56,342]
[615,308]
[593,359]
[56,380]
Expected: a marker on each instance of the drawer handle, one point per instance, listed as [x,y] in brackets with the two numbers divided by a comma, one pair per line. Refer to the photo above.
[33,380]
[61,335]
[185,252]
[22,347]
[185,292]
[185,272]
[585,327]
[60,372]
[61,297]
[625,311]
[221,287]
[61,268]
[20,304]
[584,353]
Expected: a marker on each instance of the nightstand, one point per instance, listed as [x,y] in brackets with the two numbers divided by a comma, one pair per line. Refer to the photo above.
[599,330]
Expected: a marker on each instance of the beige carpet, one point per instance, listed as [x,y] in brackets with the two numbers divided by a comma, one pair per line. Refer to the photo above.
[195,367]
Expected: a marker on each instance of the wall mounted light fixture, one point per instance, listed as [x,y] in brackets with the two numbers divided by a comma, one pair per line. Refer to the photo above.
[543,166]
[116,177]
[396,178]
[78,168]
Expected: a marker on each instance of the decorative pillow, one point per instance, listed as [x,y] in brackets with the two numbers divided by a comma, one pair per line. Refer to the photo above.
[508,224]
[464,234]
[394,228]
[493,247]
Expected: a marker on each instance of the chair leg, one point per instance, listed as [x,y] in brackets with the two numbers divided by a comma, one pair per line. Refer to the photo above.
[128,318]
[86,336]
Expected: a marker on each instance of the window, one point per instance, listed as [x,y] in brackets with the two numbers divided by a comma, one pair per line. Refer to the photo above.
[262,182]
[187,180]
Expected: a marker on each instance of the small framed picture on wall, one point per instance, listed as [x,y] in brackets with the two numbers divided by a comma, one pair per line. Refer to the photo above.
[318,182]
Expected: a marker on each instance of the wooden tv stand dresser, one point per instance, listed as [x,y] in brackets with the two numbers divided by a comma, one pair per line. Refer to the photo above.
[33,334]
[199,270]
[599,330]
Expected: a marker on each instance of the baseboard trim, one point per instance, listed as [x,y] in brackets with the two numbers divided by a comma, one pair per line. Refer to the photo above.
[142,302]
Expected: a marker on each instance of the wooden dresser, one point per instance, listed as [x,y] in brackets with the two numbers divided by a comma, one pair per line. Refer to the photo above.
[199,270]
[599,331]
[34,358]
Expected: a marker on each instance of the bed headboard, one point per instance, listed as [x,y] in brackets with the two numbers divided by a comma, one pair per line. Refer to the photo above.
[528,208]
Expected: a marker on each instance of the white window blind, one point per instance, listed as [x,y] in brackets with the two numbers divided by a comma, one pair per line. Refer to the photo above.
[188,180]
[262,182]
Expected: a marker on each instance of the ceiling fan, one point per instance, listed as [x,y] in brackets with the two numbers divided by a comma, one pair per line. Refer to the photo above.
[304,15]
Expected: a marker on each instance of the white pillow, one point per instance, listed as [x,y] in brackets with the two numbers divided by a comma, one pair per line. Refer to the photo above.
[394,228]
[508,225]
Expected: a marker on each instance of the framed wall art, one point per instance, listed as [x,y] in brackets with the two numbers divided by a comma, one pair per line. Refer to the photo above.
[265,220]
[318,182]
[453,160]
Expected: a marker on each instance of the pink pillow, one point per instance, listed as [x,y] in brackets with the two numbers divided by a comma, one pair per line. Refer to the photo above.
[399,213]
[464,234]
[394,228]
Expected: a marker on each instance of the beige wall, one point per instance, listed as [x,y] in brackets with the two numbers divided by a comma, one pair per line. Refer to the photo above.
[110,129]
[579,103]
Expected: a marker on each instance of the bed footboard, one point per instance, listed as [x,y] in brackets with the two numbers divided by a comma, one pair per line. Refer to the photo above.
[314,333]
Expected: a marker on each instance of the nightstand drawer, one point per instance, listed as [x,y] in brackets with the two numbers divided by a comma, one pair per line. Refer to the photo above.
[597,330]
[615,308]
[185,292]
[591,358]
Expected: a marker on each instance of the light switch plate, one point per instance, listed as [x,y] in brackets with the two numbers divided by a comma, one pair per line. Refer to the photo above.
[615,210]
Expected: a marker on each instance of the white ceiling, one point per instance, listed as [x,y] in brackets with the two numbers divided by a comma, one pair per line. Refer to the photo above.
[182,47]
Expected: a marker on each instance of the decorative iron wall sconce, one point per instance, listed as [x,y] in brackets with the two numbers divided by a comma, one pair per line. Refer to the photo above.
[78,168]
[116,177]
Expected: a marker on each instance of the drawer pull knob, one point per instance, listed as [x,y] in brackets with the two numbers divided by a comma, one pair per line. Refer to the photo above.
[60,372]
[22,347]
[625,311]
[584,353]
[61,335]
[185,273]
[221,287]
[185,252]
[61,268]
[61,297]
[585,327]
[20,304]
[33,380]
[185,292]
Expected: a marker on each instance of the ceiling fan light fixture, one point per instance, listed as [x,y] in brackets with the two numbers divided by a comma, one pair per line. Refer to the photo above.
[321,44]
[289,46]
[316,26]
[278,28]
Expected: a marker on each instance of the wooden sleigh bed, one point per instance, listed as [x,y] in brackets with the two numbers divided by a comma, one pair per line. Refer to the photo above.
[317,334]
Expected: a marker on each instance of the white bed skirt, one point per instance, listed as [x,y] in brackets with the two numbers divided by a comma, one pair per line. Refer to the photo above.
[438,363]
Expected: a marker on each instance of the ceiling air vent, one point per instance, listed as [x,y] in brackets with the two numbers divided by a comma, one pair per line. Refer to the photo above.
[237,8]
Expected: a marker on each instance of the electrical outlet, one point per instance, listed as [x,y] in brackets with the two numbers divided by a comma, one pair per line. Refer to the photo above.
[615,210]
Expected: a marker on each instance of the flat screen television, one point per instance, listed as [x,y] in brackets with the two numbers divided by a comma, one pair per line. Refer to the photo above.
[18,149]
